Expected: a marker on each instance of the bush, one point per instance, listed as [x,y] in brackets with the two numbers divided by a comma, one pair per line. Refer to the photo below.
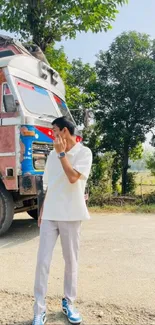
[99,193]
[149,198]
[131,184]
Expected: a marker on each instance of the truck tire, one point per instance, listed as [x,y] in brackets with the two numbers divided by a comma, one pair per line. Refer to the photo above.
[6,209]
[33,214]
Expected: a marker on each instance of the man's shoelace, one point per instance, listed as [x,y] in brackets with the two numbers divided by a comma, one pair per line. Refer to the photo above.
[37,319]
[73,310]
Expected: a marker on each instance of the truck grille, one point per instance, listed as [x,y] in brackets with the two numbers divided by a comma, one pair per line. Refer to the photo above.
[40,152]
[42,148]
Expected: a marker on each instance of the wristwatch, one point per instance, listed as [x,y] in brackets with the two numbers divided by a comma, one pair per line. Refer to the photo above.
[61,155]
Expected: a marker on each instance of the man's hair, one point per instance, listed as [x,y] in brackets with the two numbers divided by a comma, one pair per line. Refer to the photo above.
[63,122]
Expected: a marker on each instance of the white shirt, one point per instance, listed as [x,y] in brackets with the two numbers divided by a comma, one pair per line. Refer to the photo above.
[65,201]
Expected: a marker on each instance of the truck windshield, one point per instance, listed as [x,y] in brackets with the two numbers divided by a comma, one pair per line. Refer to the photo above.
[36,99]
[63,108]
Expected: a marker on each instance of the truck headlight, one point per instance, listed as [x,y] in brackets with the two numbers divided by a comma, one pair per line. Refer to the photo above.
[39,163]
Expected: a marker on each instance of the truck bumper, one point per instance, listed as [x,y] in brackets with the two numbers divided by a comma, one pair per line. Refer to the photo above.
[32,185]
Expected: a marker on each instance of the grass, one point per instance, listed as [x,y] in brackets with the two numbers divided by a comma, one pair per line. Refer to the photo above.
[145,183]
[145,178]
[122,209]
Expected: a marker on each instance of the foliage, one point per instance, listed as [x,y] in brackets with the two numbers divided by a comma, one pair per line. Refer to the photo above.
[130,184]
[137,152]
[150,163]
[58,60]
[77,77]
[80,96]
[48,21]
[116,173]
[98,194]
[137,208]
[125,100]
[140,164]
[149,198]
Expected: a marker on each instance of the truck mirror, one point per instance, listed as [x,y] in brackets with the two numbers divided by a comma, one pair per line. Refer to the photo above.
[9,103]
[88,115]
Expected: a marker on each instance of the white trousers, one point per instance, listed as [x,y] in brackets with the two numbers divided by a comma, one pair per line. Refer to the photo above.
[69,232]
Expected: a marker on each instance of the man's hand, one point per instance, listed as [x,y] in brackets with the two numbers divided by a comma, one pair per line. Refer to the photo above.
[59,144]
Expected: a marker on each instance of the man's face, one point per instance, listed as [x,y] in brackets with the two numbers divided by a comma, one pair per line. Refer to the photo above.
[57,132]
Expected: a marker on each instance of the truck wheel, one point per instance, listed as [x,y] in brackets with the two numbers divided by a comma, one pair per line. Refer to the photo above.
[6,209]
[33,214]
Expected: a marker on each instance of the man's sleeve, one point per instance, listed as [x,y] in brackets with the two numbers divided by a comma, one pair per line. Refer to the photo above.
[83,163]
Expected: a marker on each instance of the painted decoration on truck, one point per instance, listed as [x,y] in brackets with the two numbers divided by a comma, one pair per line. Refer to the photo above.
[60,102]
[35,144]
[2,76]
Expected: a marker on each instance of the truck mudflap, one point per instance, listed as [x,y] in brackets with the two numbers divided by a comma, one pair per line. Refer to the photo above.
[32,185]
[40,192]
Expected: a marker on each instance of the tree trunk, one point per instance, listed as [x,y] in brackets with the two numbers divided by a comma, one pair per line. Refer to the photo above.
[116,172]
[125,169]
[36,25]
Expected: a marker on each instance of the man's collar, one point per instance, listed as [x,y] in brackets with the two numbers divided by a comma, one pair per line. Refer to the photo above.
[74,149]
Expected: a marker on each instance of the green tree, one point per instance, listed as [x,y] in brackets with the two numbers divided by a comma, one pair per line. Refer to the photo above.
[126,96]
[116,172]
[150,163]
[135,154]
[78,78]
[47,21]
[58,60]
[80,95]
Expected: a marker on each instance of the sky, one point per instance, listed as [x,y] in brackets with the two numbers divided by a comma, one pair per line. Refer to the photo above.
[138,15]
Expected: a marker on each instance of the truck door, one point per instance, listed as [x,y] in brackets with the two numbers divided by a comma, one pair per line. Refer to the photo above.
[9,136]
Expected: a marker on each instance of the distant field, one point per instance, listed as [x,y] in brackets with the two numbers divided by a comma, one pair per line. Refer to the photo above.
[145,183]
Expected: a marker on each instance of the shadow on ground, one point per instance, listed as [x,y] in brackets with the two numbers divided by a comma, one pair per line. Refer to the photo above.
[52,319]
[21,231]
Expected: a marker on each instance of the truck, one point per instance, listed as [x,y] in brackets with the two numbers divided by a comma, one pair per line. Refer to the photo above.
[32,95]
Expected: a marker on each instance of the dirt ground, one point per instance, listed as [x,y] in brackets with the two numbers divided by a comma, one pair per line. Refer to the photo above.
[116,273]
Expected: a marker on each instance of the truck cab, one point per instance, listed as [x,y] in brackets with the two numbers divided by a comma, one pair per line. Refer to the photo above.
[32,95]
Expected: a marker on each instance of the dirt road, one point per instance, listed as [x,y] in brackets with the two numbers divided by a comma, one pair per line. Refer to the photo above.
[116,274]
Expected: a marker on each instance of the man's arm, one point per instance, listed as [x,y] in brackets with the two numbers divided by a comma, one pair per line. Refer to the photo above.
[71,173]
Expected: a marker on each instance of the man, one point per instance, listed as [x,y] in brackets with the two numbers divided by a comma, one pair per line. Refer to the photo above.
[67,170]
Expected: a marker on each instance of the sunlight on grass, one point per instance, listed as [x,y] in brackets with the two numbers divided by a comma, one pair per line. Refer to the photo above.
[126,208]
